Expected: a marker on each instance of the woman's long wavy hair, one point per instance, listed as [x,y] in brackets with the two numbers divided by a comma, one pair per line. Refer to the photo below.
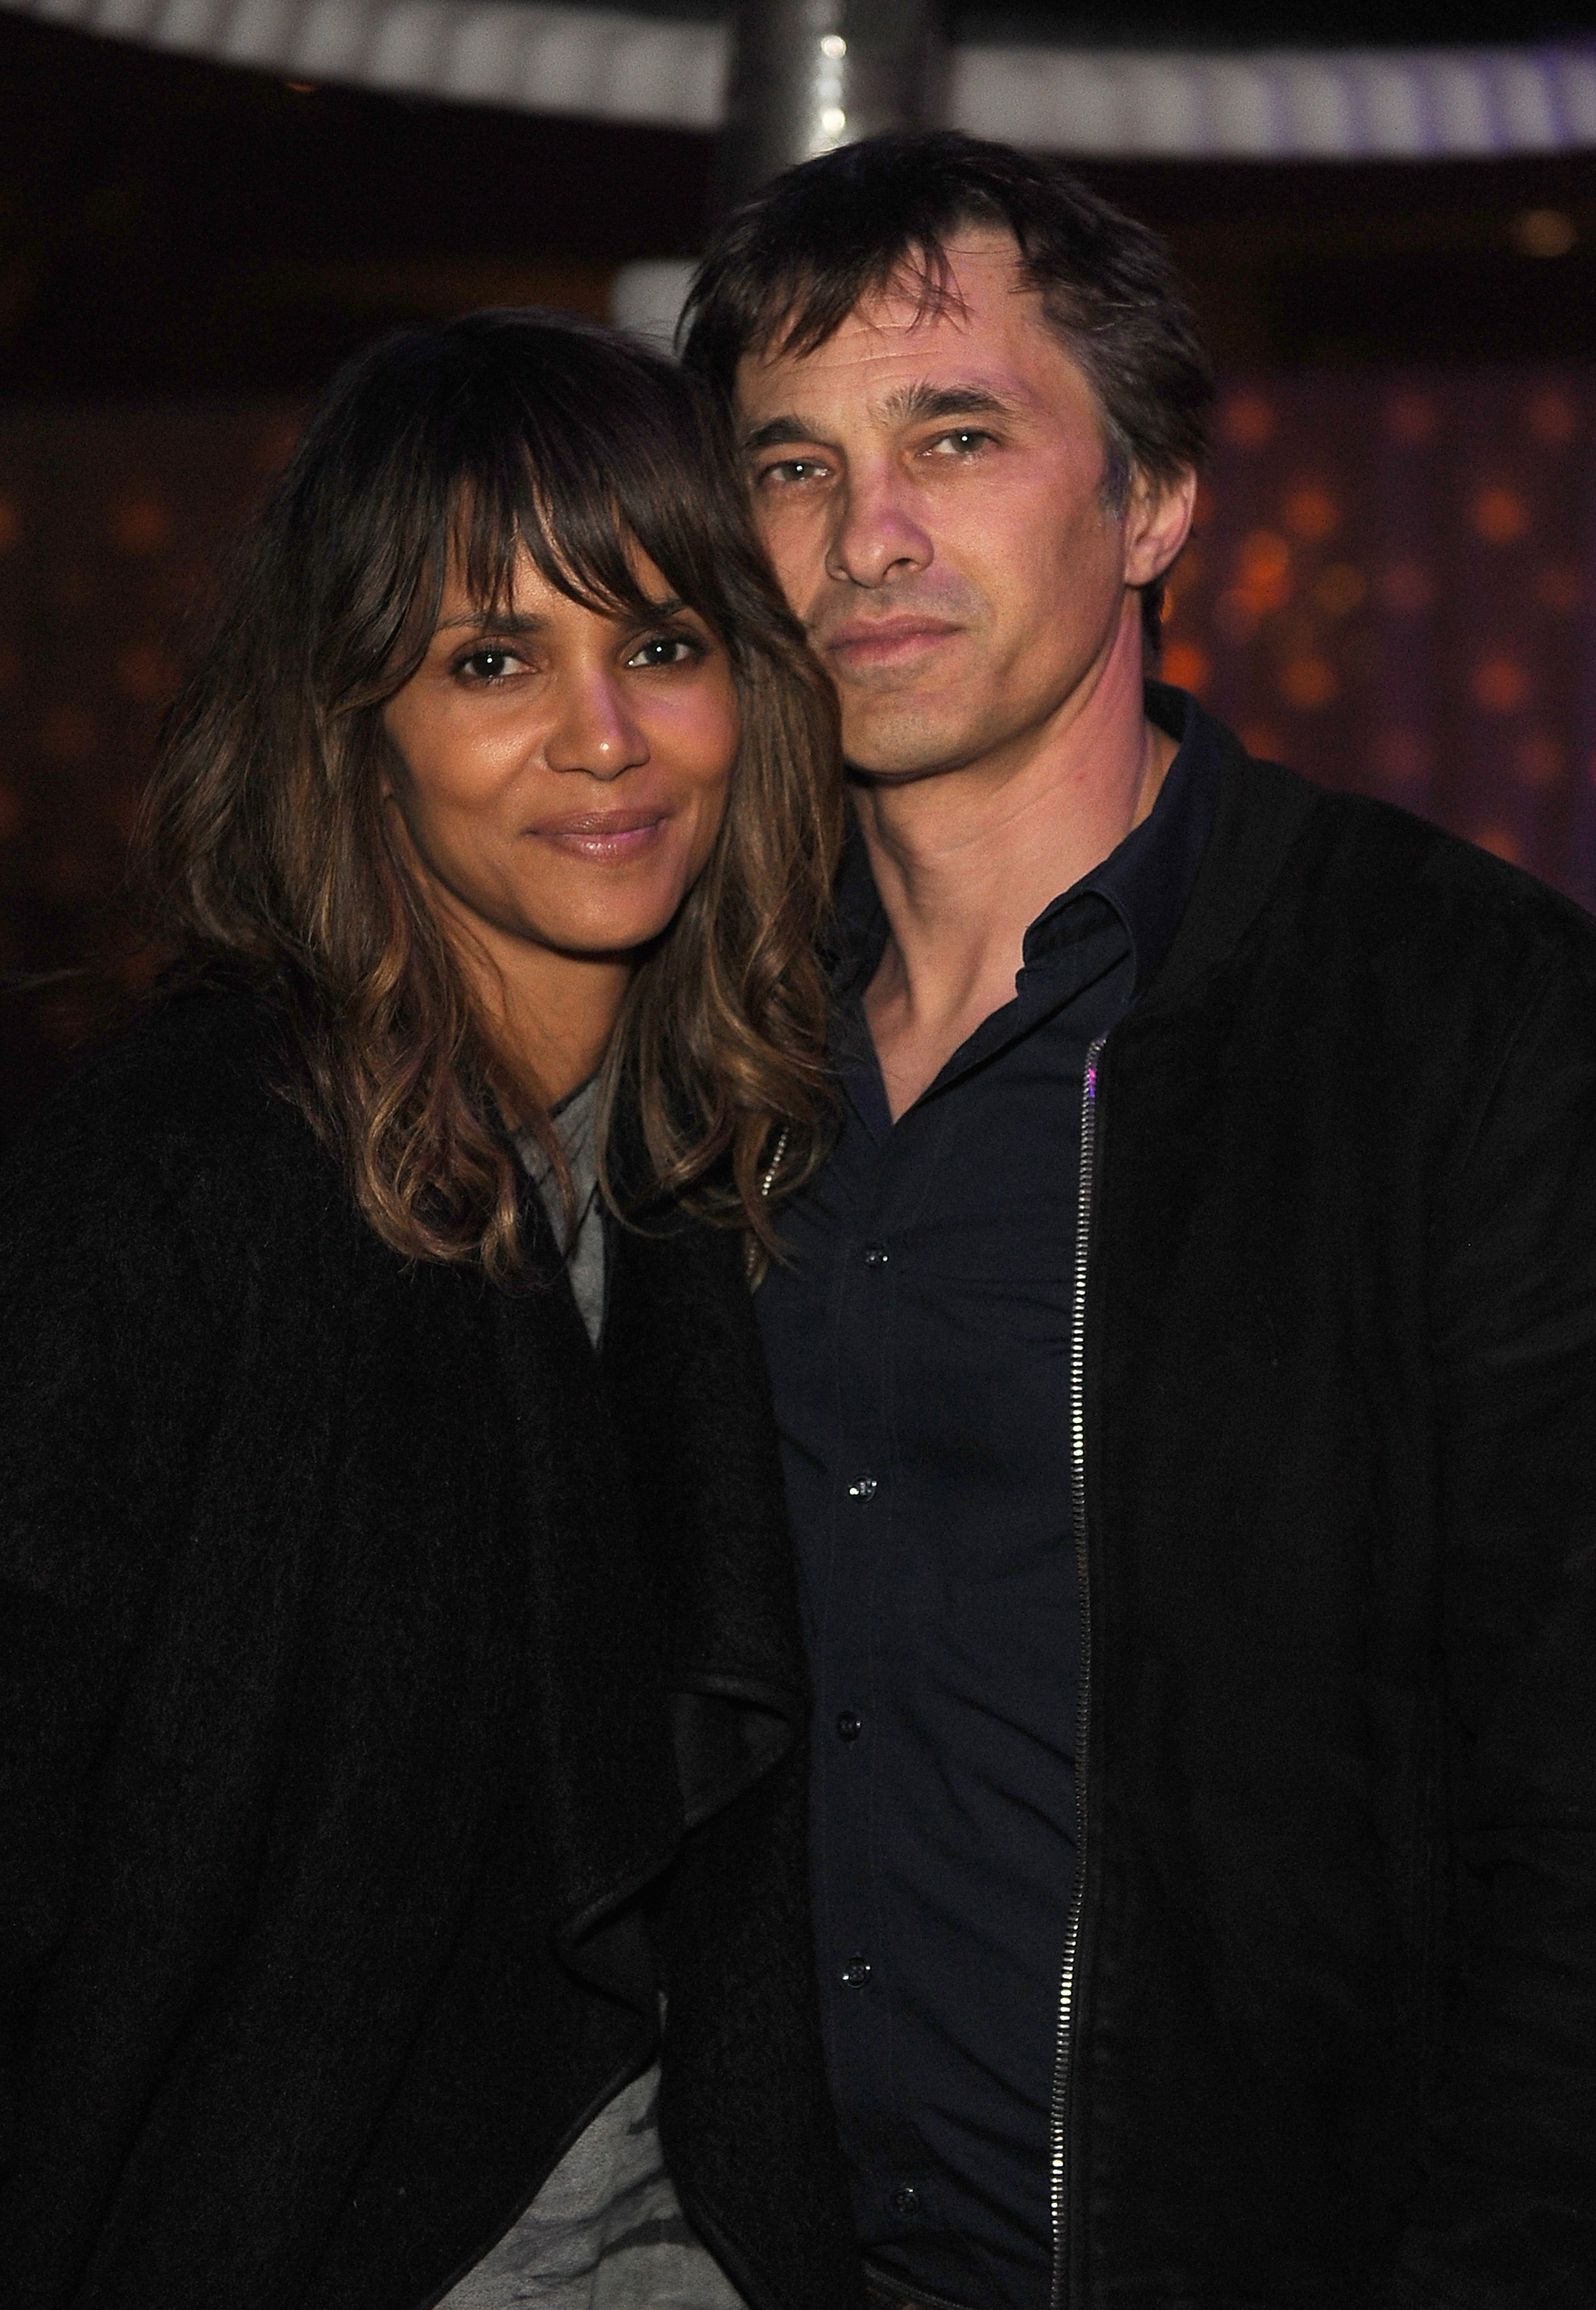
[270,851]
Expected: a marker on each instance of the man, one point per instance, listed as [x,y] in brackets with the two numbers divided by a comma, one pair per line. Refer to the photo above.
[1186,1361]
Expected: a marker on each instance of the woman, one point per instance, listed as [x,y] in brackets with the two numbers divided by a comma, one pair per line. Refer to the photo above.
[400,1689]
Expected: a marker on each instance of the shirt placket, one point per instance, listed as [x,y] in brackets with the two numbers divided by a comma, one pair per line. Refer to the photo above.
[863,1488]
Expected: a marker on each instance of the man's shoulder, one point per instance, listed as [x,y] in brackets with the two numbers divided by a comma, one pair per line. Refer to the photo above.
[1355,884]
[1395,883]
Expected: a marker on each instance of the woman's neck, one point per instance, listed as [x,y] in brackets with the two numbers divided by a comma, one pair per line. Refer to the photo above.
[551,1012]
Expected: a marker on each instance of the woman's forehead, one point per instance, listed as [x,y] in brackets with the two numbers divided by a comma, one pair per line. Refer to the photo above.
[498,562]
[522,584]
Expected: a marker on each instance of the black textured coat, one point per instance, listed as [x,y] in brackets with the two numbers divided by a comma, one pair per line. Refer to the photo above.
[1335,2021]
[385,1699]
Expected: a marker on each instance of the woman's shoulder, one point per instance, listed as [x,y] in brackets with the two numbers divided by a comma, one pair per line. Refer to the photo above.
[182,1104]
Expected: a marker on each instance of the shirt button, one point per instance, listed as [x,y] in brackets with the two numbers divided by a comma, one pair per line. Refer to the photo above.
[875,1255]
[855,1973]
[849,1724]
[906,2202]
[863,1488]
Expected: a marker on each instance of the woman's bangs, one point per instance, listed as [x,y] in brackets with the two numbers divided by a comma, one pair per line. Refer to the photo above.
[582,498]
[569,524]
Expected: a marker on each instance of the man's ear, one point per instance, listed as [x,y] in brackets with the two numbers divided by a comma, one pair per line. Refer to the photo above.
[1158,523]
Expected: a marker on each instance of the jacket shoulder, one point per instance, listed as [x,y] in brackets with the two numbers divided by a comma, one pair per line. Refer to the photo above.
[175,1120]
[1354,880]
[1395,882]
[190,1063]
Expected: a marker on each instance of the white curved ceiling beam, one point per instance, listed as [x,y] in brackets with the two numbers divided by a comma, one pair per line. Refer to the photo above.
[1329,104]
[1285,104]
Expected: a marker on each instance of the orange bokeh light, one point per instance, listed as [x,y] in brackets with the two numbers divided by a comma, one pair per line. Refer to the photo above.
[1312,512]
[1308,683]
[1410,418]
[1501,515]
[141,525]
[1247,420]
[1500,685]
[1186,667]
[1540,762]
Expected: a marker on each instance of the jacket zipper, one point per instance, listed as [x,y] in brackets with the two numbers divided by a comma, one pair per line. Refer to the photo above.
[1059,2113]
[751,1249]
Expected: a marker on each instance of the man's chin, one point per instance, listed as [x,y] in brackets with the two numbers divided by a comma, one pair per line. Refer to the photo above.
[900,756]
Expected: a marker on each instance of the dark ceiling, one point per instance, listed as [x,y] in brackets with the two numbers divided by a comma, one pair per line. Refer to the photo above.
[169,226]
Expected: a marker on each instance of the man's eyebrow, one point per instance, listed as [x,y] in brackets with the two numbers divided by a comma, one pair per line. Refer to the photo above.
[913,404]
[778,430]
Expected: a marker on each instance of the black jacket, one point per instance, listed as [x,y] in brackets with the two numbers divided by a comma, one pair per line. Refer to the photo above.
[366,1662]
[1334,2022]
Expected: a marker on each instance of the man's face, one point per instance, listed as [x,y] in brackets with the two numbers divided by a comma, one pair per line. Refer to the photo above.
[929,489]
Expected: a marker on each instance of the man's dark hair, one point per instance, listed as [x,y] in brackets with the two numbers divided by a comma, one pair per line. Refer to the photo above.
[793,263]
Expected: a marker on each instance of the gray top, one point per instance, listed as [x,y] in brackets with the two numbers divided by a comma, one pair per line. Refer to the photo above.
[606,2231]
[575,1118]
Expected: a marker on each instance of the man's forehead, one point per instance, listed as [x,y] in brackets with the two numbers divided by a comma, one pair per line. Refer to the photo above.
[978,285]
[986,346]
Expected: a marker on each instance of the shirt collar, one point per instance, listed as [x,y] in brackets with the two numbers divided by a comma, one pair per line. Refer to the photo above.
[1146,879]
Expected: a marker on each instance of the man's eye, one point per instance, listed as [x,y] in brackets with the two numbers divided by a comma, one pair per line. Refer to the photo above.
[665,649]
[964,443]
[791,471]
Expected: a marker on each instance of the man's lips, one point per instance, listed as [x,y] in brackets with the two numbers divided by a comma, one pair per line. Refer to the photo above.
[886,641]
[602,834]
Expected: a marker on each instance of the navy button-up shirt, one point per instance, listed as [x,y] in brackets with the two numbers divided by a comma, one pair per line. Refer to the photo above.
[919,1344]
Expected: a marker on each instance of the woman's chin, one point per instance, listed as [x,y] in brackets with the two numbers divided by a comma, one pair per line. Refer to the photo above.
[613,922]
[616,936]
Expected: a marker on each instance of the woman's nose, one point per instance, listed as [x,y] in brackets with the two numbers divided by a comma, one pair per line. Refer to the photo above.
[593,730]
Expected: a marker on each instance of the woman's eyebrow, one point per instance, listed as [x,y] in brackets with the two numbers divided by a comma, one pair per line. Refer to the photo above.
[498,621]
[522,621]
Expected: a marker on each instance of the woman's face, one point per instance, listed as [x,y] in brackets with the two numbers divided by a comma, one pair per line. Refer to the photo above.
[562,774]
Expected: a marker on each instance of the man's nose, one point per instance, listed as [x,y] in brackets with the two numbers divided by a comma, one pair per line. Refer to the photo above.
[594,729]
[877,538]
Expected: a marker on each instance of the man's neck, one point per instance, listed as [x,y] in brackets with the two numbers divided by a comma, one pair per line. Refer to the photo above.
[966,860]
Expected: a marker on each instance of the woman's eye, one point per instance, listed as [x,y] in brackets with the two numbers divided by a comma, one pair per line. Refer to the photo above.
[488,665]
[665,649]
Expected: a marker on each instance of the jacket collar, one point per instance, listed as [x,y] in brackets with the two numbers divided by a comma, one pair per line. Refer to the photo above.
[1157,877]
[1260,810]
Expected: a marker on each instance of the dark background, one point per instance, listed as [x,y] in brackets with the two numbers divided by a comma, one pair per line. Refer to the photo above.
[186,251]
[169,226]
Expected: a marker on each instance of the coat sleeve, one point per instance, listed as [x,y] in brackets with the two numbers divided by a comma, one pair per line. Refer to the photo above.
[1508,2213]
[101,1306]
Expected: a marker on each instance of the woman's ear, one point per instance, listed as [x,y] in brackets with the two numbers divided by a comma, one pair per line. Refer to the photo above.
[393,773]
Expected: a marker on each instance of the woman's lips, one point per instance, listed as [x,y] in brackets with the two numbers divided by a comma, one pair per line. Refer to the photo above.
[602,835]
